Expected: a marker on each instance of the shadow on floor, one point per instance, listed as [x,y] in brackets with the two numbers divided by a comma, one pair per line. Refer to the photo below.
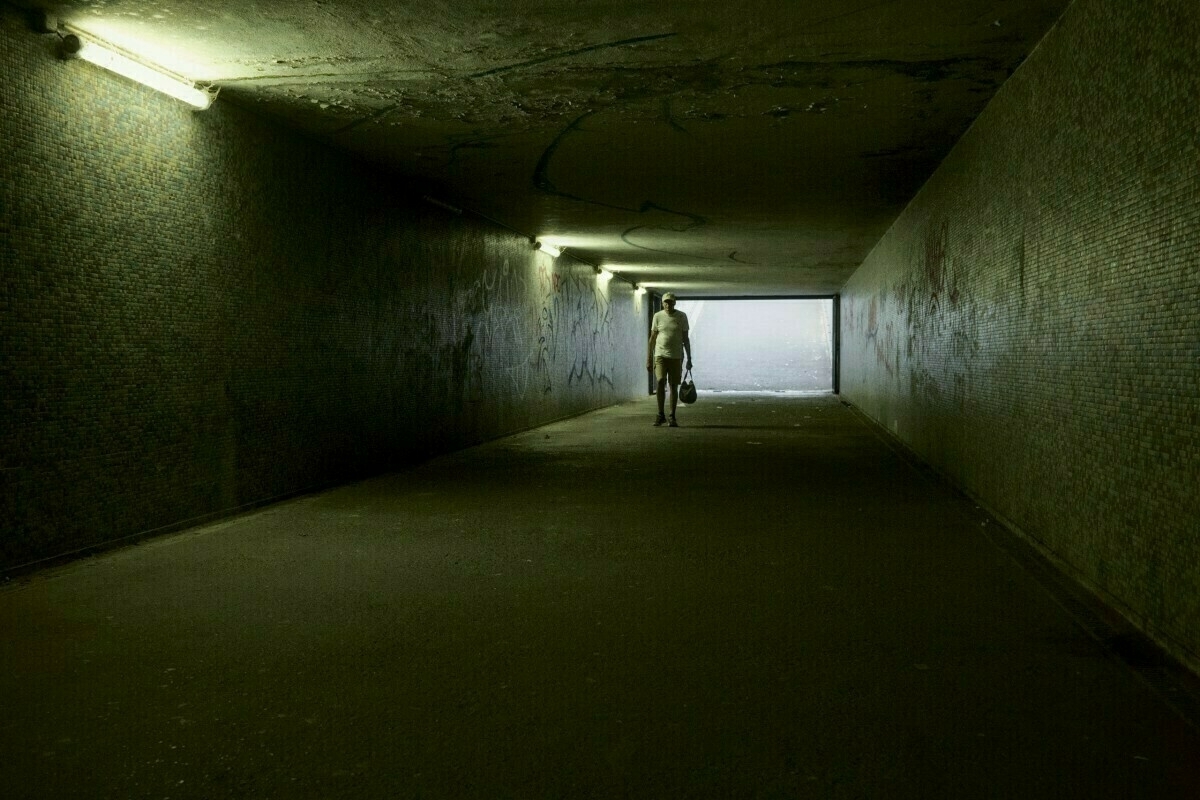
[586,611]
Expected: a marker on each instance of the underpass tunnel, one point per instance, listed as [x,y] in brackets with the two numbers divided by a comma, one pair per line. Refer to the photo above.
[327,464]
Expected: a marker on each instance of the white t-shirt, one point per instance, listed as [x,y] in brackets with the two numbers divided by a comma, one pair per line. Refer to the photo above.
[670,329]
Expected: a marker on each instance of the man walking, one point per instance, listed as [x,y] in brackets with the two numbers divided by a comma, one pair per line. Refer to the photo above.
[668,342]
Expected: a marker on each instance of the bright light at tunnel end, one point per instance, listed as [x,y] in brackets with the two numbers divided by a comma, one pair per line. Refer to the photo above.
[75,45]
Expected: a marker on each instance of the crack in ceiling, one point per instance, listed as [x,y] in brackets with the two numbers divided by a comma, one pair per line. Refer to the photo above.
[764,146]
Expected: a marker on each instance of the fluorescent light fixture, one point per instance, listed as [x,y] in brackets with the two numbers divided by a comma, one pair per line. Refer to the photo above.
[603,275]
[640,291]
[108,58]
[637,269]
[442,204]
[550,250]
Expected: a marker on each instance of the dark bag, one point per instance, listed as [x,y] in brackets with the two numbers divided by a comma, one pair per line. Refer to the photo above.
[687,389]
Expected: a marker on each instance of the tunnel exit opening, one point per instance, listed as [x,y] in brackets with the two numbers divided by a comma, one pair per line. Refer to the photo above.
[772,344]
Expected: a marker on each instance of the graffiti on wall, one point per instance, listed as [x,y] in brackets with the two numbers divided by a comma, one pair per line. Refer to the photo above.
[923,327]
[523,326]
[575,321]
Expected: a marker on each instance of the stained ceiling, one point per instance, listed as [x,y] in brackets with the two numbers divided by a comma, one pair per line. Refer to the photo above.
[717,148]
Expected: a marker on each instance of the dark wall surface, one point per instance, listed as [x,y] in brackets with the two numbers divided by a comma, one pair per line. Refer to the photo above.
[201,311]
[1030,323]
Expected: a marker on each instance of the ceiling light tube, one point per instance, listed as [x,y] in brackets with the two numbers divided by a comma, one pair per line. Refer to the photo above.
[77,46]
[603,275]
[442,204]
[550,250]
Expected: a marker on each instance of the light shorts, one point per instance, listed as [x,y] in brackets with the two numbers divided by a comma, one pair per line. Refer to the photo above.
[669,368]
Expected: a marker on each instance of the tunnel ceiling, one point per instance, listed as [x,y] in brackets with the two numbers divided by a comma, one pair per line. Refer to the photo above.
[759,147]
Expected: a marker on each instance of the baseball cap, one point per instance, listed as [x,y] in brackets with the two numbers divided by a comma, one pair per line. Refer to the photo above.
[668,296]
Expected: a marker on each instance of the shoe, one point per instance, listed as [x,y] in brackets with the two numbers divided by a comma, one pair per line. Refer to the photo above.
[672,423]
[659,420]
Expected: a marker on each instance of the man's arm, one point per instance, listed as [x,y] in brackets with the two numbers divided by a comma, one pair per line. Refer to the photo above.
[687,348]
[650,349]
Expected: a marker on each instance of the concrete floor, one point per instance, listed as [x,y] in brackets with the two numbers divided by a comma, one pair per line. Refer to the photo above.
[767,602]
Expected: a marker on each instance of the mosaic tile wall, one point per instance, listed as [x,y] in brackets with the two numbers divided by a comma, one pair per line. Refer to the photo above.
[1031,324]
[200,311]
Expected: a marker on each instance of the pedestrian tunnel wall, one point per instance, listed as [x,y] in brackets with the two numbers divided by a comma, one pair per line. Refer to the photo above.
[200,313]
[1028,326]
